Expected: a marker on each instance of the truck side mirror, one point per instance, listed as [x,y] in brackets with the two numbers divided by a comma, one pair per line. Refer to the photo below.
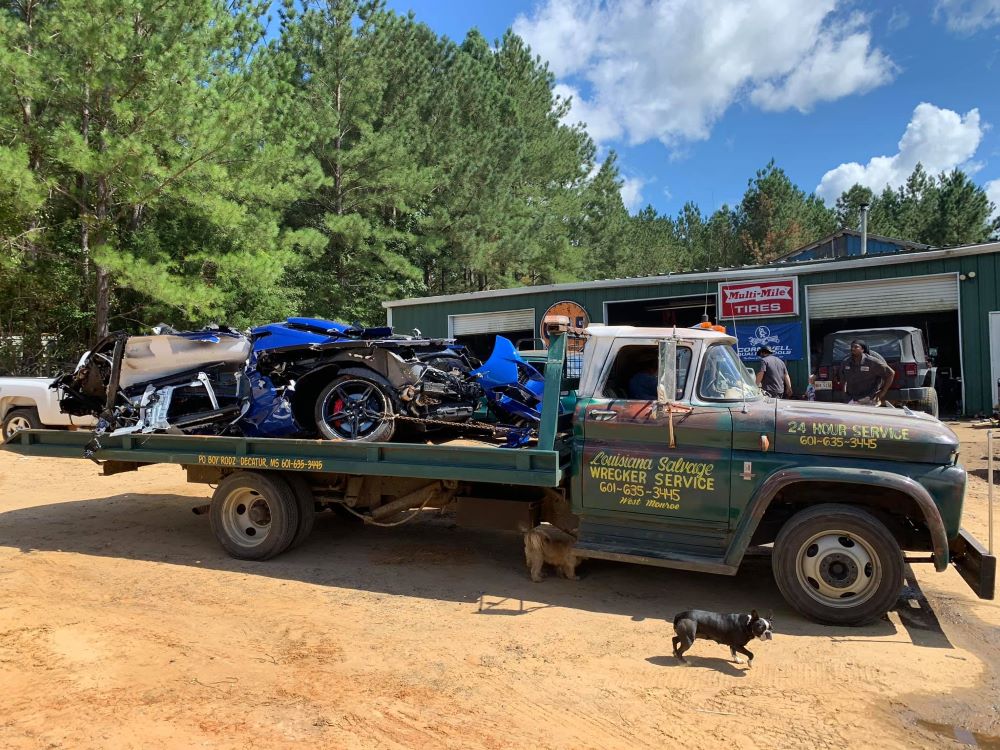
[666,383]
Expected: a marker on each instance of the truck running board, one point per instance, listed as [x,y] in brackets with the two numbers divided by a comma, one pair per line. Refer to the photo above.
[699,548]
[662,560]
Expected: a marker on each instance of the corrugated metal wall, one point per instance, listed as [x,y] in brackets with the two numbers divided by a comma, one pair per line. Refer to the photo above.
[978,296]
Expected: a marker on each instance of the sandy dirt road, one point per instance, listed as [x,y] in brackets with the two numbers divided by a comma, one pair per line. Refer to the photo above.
[123,625]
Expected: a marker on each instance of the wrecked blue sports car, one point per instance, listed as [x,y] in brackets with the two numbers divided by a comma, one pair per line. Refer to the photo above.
[304,376]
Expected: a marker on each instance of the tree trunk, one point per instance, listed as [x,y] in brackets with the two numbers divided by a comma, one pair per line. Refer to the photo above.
[337,175]
[103,308]
[83,186]
[28,114]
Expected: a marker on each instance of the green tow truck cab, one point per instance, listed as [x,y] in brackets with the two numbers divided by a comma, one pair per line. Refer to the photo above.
[689,479]
[713,466]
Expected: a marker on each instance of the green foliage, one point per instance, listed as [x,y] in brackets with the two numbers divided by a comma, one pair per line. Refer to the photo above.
[776,217]
[165,161]
[943,211]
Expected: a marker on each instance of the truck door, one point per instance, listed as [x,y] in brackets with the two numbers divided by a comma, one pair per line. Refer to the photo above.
[626,464]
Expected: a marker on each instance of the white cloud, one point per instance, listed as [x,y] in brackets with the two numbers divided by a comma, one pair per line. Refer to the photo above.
[899,20]
[602,124]
[938,138]
[632,193]
[835,68]
[668,70]
[992,189]
[968,16]
[570,26]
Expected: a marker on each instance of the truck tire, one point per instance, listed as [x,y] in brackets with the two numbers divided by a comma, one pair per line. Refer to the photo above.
[22,418]
[254,516]
[356,406]
[838,565]
[307,508]
[929,404]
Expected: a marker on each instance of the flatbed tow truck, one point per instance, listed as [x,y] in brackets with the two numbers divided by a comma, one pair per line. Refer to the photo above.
[690,480]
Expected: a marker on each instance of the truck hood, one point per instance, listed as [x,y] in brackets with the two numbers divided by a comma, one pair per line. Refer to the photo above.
[877,433]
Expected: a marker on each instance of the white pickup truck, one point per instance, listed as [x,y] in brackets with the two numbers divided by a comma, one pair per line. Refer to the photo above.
[28,403]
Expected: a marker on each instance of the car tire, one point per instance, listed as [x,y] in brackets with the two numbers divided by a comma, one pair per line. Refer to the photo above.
[366,404]
[838,565]
[929,404]
[21,418]
[254,516]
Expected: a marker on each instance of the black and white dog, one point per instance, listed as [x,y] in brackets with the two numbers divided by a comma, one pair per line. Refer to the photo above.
[735,631]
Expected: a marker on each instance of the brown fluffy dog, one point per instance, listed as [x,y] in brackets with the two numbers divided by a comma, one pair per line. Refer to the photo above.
[546,544]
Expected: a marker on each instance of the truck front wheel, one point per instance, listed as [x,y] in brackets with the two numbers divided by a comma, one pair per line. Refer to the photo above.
[838,565]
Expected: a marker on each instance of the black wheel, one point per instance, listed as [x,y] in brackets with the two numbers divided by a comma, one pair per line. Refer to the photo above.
[22,418]
[254,516]
[929,404]
[356,406]
[838,565]
[307,507]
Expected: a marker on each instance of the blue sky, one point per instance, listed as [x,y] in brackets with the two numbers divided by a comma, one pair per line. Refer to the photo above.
[696,95]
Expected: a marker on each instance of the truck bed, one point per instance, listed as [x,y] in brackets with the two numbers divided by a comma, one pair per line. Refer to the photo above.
[522,466]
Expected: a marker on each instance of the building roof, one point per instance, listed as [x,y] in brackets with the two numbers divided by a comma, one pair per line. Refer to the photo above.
[720,274]
[903,245]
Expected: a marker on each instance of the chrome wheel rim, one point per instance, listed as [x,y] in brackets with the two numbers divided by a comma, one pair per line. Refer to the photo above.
[838,569]
[16,424]
[246,517]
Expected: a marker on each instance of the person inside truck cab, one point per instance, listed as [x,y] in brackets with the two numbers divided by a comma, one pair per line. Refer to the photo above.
[867,377]
[642,384]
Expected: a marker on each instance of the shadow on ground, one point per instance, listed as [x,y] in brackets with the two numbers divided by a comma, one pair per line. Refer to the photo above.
[430,558]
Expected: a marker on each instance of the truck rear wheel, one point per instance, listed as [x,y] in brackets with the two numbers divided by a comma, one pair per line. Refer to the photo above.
[254,516]
[25,418]
[838,565]
[307,508]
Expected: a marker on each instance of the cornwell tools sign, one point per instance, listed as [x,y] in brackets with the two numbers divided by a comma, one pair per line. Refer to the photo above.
[758,299]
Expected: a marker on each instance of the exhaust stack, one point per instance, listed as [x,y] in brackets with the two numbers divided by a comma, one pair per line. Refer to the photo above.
[864,229]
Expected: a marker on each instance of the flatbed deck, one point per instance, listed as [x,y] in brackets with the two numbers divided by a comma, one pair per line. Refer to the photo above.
[535,467]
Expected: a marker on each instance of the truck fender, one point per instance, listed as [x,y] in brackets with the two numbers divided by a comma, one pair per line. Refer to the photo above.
[778,481]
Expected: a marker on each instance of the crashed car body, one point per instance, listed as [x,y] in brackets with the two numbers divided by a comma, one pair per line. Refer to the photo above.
[303,376]
[196,382]
[361,384]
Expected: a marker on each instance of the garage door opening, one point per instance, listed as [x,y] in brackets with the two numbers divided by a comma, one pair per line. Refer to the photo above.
[666,312]
[478,331]
[929,304]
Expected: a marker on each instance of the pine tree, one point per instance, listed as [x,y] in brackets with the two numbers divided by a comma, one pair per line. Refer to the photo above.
[133,108]
[776,217]
[962,212]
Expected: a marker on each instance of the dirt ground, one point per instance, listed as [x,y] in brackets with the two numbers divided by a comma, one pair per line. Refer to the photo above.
[123,625]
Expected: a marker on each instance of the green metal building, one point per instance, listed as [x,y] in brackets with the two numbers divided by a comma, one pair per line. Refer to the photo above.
[844,281]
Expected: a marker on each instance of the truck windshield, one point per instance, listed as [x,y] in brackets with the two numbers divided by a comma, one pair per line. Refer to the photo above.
[723,377]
